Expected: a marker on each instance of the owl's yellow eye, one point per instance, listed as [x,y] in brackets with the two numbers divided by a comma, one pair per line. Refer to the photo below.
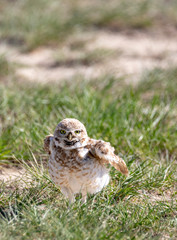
[62,131]
[77,131]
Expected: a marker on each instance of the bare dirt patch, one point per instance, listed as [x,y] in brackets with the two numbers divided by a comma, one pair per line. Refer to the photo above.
[155,196]
[11,173]
[131,56]
[15,176]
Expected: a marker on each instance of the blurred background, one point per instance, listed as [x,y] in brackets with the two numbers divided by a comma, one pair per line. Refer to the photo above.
[51,40]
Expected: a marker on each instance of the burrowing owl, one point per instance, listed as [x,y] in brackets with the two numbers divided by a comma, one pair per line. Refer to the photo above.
[77,162]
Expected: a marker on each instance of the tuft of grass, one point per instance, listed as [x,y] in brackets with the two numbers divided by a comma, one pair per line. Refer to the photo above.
[40,212]
[4,67]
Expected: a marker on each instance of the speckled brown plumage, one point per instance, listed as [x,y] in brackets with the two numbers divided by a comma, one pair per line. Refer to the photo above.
[77,162]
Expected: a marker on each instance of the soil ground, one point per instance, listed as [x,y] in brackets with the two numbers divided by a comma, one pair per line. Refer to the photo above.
[123,55]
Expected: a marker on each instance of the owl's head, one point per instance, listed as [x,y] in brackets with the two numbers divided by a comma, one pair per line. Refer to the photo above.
[70,134]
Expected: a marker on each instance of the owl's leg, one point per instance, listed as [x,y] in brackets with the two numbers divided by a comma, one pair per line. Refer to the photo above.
[71,198]
[84,196]
[68,194]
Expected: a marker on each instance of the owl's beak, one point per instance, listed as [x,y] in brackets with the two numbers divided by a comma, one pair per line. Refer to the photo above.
[69,136]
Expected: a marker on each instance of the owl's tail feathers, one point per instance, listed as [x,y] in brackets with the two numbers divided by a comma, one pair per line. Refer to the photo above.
[119,164]
[47,140]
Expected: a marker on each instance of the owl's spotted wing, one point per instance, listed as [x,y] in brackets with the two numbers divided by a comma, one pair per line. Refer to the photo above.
[47,141]
[105,153]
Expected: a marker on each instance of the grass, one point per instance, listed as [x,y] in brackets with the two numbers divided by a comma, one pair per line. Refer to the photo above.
[125,114]
[139,122]
[28,25]
[6,68]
